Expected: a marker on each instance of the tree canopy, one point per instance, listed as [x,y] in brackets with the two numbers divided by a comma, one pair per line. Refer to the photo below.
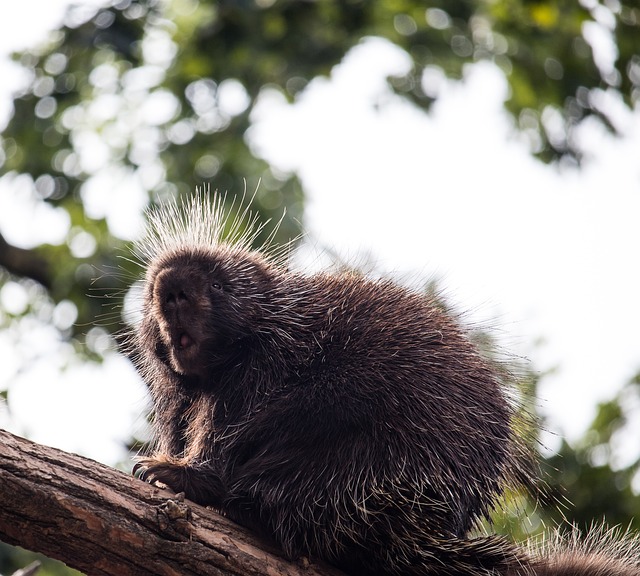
[156,97]
[147,99]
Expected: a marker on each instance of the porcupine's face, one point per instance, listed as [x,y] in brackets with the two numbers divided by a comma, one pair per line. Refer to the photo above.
[191,308]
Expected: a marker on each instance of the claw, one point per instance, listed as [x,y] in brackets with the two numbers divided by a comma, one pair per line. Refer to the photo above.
[142,469]
[153,471]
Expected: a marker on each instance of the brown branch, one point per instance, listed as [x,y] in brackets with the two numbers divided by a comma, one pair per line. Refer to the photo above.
[104,522]
[23,262]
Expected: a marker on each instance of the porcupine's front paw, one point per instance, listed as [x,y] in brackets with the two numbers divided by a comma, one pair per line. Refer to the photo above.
[200,483]
[164,470]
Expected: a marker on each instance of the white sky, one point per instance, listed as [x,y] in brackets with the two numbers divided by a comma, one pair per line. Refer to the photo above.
[537,254]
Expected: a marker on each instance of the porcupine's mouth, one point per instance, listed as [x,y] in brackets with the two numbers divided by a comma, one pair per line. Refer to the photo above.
[183,344]
[184,351]
[183,341]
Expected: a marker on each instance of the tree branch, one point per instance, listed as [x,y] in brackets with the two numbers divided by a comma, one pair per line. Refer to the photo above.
[23,262]
[104,522]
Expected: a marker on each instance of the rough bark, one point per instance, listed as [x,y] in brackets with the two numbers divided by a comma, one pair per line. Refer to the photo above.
[104,522]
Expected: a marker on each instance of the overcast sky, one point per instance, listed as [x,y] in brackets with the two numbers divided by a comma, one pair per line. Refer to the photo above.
[548,259]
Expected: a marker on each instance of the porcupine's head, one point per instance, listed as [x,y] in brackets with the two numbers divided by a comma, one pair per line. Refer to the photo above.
[204,286]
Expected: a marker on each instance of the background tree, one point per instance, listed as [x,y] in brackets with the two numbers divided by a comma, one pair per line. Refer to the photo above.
[158,96]
[597,479]
[155,97]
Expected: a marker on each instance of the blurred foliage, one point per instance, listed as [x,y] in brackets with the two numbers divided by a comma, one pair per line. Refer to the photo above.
[594,481]
[156,96]
[13,559]
[599,478]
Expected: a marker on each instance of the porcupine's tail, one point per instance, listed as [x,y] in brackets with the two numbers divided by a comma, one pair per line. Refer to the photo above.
[600,552]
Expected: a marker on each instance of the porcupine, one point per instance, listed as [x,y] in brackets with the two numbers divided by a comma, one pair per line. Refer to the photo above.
[346,418]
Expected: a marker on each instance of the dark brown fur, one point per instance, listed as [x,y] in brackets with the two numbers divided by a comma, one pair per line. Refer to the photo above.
[346,418]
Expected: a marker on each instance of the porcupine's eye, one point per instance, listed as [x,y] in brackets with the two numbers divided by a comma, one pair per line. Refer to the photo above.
[216,285]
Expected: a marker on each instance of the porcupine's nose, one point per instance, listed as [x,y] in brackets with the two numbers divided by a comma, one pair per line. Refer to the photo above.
[172,293]
[176,299]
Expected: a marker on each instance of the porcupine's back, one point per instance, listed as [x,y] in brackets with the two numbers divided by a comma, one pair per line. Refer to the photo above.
[408,433]
[433,408]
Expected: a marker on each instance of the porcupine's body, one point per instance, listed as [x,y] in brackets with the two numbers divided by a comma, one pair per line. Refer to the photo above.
[349,419]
